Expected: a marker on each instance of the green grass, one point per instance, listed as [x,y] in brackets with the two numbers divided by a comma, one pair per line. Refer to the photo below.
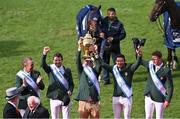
[26,26]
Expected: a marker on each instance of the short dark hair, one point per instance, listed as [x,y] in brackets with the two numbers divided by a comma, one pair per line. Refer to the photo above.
[58,55]
[121,56]
[157,53]
[111,9]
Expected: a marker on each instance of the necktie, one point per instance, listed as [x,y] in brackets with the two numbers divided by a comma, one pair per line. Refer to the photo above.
[31,114]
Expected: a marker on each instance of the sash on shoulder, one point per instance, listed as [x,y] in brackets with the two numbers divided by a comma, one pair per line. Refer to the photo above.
[30,81]
[59,76]
[89,72]
[156,80]
[121,82]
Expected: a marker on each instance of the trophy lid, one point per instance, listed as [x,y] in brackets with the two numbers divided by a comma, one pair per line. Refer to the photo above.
[88,39]
[88,36]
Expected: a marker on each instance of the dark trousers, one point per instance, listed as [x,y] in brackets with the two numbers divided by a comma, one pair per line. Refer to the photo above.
[106,59]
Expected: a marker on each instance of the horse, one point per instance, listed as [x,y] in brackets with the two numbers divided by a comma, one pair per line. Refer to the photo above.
[166,5]
[84,18]
[173,10]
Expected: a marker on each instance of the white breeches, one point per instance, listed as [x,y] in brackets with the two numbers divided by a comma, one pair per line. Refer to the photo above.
[122,104]
[149,108]
[56,108]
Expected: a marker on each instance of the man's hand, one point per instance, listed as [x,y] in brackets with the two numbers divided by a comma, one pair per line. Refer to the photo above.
[69,93]
[24,82]
[39,79]
[166,104]
[110,39]
[80,43]
[138,51]
[101,35]
[46,50]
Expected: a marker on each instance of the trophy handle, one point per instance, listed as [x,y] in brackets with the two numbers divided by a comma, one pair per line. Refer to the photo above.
[94,40]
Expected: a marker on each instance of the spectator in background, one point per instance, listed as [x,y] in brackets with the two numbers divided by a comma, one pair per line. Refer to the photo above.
[35,109]
[10,109]
[114,32]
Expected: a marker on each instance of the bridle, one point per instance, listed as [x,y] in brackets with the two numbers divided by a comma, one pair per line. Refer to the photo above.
[158,10]
[159,25]
[158,21]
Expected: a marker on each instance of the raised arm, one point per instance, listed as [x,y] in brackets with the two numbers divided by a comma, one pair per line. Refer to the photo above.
[46,68]
[138,60]
[144,63]
[106,66]
[78,58]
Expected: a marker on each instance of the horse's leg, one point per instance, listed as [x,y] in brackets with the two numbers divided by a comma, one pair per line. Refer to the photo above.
[169,57]
[175,59]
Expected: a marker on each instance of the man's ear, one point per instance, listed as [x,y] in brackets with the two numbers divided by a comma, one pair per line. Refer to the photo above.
[25,64]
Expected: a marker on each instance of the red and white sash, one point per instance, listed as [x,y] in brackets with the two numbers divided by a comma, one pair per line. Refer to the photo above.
[156,80]
[121,82]
[30,81]
[59,76]
[89,72]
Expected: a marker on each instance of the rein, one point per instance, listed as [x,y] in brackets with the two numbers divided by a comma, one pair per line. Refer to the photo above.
[159,25]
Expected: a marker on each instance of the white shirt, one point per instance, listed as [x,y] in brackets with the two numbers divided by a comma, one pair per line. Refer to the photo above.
[12,104]
[158,67]
[61,69]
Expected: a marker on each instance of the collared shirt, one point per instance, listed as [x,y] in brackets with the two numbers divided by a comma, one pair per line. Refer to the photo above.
[158,67]
[35,108]
[61,69]
[12,104]
[29,73]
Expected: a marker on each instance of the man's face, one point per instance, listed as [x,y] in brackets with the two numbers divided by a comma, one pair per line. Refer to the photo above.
[156,60]
[32,104]
[120,62]
[111,15]
[57,61]
[93,24]
[16,100]
[28,66]
[89,63]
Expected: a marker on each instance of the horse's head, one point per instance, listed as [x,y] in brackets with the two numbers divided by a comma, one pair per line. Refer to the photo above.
[94,18]
[158,9]
[95,14]
[88,17]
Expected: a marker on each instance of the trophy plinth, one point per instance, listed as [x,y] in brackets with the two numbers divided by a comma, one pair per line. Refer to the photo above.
[87,42]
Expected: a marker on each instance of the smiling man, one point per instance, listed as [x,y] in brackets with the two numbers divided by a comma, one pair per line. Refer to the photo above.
[159,86]
[29,81]
[35,109]
[123,75]
[60,85]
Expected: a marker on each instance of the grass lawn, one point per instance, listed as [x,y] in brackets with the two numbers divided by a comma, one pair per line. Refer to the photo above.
[26,26]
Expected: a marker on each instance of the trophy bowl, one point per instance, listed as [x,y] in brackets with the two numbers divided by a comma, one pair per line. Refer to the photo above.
[87,42]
